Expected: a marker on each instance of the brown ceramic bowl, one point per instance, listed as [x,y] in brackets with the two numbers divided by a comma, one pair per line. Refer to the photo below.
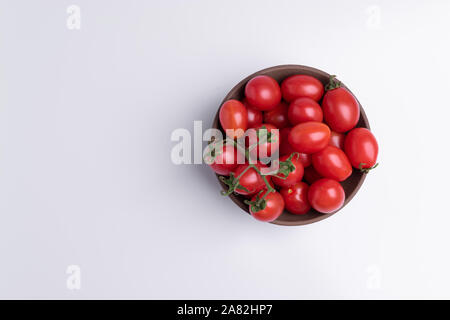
[351,185]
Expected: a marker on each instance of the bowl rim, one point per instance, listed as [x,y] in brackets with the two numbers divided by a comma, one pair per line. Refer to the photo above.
[300,68]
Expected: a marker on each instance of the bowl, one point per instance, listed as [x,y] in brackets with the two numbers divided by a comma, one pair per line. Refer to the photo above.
[350,185]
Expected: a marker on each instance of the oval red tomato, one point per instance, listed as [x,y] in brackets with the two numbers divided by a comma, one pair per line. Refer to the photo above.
[250,179]
[296,198]
[326,195]
[263,93]
[267,139]
[223,158]
[304,110]
[337,140]
[233,118]
[331,162]
[310,175]
[293,177]
[298,86]
[361,148]
[285,147]
[278,116]
[309,137]
[273,207]
[340,109]
[254,116]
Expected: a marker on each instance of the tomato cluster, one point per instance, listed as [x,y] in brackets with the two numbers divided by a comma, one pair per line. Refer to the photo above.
[307,130]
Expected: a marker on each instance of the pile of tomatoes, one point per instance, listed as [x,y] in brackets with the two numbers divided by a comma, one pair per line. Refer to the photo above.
[310,127]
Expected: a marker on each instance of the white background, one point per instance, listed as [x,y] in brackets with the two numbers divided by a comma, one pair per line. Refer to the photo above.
[85,171]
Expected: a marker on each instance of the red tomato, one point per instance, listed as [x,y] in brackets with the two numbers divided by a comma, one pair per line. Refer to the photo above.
[268,138]
[285,147]
[326,195]
[304,110]
[361,148]
[301,86]
[278,116]
[309,137]
[332,163]
[250,180]
[263,93]
[296,198]
[254,116]
[337,140]
[311,175]
[293,177]
[305,159]
[273,208]
[340,108]
[223,158]
[233,116]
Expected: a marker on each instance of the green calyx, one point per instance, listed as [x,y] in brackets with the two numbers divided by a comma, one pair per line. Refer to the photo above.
[259,203]
[333,83]
[286,166]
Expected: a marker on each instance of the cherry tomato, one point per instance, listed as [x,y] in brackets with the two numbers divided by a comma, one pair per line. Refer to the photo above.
[337,140]
[233,116]
[326,195]
[278,116]
[332,163]
[250,180]
[223,158]
[293,177]
[299,86]
[274,206]
[296,198]
[361,148]
[311,175]
[285,147]
[267,137]
[304,110]
[309,137]
[254,116]
[263,93]
[340,109]
[305,159]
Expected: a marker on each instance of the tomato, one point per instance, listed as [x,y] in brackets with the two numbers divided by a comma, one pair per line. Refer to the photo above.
[305,159]
[361,148]
[332,163]
[285,147]
[299,86]
[326,195]
[311,175]
[278,116]
[296,198]
[337,140]
[293,177]
[273,207]
[254,116]
[250,180]
[223,158]
[340,108]
[233,116]
[304,110]
[309,137]
[263,93]
[268,138]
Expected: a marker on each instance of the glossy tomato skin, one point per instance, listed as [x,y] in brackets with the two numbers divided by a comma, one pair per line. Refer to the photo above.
[227,159]
[304,110]
[361,147]
[309,137]
[311,175]
[340,110]
[264,149]
[326,195]
[293,177]
[274,208]
[332,163]
[233,115]
[250,180]
[285,147]
[263,93]
[296,198]
[278,116]
[305,159]
[254,116]
[337,140]
[298,86]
